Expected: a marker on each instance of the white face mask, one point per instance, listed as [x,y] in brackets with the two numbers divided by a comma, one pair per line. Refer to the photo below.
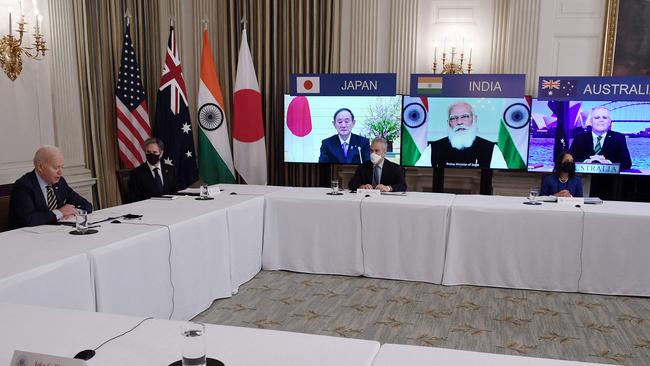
[375,158]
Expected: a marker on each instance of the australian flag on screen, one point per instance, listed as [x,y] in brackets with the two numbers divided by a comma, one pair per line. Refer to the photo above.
[173,124]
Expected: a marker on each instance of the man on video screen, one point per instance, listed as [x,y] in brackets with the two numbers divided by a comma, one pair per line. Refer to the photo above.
[600,144]
[463,147]
[344,147]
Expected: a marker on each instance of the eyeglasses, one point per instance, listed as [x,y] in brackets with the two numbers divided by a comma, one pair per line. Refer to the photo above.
[462,117]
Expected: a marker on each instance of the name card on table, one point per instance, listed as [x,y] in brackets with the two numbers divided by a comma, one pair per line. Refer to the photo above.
[571,200]
[213,190]
[22,358]
[370,192]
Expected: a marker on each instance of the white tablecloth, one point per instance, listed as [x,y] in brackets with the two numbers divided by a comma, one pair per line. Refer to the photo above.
[157,342]
[404,237]
[134,279]
[396,354]
[498,241]
[615,250]
[249,189]
[47,266]
[309,231]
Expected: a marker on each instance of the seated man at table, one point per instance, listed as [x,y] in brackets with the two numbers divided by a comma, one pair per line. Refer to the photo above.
[378,173]
[42,196]
[152,178]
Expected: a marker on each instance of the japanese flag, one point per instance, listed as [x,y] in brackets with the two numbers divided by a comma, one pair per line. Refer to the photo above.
[308,84]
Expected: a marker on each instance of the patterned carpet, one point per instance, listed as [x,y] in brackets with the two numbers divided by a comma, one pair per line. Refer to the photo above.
[581,327]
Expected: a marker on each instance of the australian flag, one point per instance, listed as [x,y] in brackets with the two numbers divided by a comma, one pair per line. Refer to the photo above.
[561,111]
[173,124]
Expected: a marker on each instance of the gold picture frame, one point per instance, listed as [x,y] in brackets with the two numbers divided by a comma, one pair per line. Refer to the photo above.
[609,43]
[626,43]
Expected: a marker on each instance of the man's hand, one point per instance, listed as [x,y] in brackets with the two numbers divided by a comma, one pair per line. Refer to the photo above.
[384,188]
[68,210]
[365,186]
[563,193]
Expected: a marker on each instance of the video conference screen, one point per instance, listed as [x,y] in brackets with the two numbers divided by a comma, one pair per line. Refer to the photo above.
[338,130]
[465,132]
[597,133]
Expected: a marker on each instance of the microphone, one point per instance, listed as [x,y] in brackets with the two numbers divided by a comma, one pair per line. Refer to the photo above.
[360,158]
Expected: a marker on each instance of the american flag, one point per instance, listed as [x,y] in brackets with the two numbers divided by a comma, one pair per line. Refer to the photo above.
[173,123]
[131,104]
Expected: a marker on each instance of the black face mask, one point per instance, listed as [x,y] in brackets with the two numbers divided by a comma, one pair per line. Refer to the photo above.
[568,167]
[153,159]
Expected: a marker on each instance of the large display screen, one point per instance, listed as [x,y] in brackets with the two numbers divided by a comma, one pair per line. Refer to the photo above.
[599,134]
[338,130]
[465,132]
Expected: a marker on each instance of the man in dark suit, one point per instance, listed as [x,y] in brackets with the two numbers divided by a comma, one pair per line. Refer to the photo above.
[344,147]
[378,173]
[42,196]
[601,143]
[152,178]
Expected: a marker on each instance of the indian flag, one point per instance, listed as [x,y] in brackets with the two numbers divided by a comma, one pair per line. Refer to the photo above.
[414,129]
[429,85]
[513,135]
[215,157]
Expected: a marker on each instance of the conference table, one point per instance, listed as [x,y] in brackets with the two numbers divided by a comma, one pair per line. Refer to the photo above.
[498,241]
[171,263]
[404,355]
[158,342]
[615,249]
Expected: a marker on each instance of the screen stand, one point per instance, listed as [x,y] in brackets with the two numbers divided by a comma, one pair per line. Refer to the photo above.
[486,182]
[325,175]
[438,183]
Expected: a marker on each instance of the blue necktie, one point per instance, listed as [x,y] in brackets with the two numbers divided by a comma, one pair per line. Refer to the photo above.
[598,146]
[345,149]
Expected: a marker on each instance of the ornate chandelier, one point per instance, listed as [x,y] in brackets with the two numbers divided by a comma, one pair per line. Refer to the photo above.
[12,49]
[454,65]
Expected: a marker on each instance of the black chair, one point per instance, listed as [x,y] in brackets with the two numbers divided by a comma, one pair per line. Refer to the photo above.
[123,183]
[5,191]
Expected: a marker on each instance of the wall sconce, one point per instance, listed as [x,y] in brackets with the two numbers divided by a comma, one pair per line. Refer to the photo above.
[11,48]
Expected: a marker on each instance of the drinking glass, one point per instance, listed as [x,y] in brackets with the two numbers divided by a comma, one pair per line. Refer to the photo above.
[204,191]
[335,186]
[81,220]
[193,348]
[532,195]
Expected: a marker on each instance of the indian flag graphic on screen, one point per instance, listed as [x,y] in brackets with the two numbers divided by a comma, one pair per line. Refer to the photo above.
[414,129]
[429,85]
[513,135]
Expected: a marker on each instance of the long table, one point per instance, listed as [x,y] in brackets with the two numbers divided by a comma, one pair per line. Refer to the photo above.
[498,241]
[158,342]
[403,355]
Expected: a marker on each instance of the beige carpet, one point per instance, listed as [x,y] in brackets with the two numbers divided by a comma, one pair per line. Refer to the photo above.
[602,329]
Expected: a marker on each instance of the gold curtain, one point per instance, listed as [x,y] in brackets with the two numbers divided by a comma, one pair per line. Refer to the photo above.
[100,30]
[285,37]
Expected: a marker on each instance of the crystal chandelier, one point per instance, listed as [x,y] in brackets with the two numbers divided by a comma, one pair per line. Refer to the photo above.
[12,49]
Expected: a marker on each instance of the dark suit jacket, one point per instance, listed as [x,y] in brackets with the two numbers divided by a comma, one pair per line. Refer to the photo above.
[332,152]
[391,175]
[142,185]
[28,207]
[614,148]
[478,155]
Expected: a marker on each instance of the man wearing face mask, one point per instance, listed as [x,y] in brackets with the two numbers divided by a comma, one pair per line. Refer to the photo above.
[378,173]
[152,178]
[563,182]
[601,143]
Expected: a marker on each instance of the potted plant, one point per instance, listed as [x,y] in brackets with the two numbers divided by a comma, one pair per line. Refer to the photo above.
[383,120]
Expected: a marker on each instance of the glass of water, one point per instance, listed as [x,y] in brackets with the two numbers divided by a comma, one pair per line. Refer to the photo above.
[335,186]
[204,191]
[81,220]
[193,348]
[532,195]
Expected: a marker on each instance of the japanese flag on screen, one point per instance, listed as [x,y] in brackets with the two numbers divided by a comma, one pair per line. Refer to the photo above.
[308,84]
